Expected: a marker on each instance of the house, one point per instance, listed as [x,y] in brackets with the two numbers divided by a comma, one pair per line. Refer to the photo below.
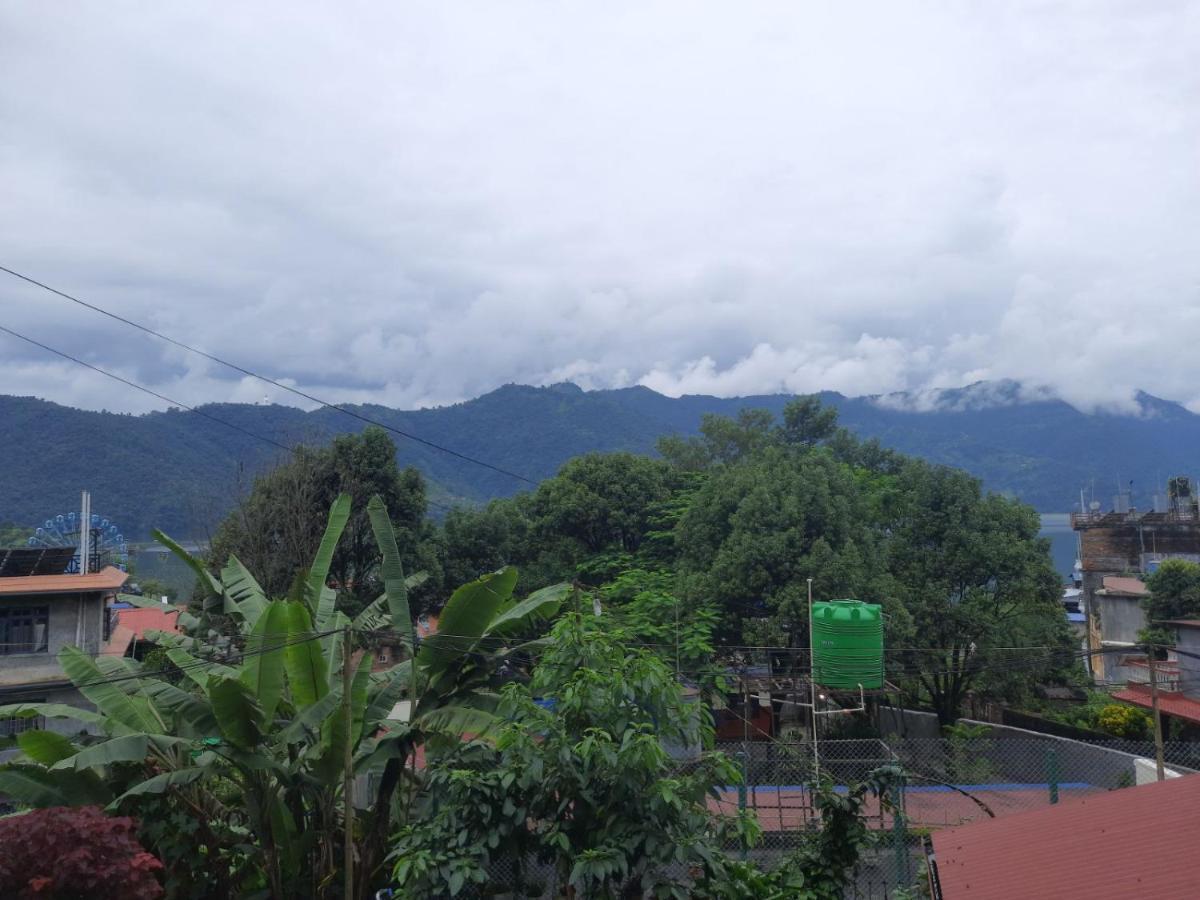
[1114,620]
[40,613]
[1178,683]
[1117,549]
[1133,842]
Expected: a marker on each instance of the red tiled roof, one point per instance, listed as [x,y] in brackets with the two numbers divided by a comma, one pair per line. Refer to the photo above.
[1133,842]
[139,620]
[1170,703]
[109,578]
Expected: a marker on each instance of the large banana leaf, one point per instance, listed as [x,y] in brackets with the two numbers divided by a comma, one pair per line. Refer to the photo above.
[464,620]
[198,670]
[238,714]
[377,613]
[124,713]
[307,672]
[161,783]
[537,607]
[457,721]
[45,747]
[385,697]
[262,670]
[318,572]
[36,786]
[394,586]
[243,595]
[127,748]
[309,721]
[212,587]
[189,715]
[359,691]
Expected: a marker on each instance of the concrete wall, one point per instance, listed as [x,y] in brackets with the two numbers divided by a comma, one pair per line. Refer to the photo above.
[75,620]
[909,723]
[1077,761]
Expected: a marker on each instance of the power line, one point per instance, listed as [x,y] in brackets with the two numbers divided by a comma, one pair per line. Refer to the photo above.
[265,379]
[143,389]
[165,398]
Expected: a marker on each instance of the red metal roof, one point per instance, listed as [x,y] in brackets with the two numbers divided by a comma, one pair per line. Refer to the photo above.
[1133,842]
[109,578]
[1170,703]
[139,620]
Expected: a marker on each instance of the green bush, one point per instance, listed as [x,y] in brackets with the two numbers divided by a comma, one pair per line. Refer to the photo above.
[1123,721]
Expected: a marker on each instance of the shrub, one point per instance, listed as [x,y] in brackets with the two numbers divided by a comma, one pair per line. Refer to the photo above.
[1123,721]
[73,853]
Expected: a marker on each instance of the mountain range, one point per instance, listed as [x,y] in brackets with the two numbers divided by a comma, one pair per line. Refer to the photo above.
[181,471]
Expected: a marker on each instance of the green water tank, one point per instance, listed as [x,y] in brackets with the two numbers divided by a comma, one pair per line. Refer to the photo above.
[848,644]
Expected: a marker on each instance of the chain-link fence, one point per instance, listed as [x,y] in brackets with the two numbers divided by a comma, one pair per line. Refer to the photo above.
[931,784]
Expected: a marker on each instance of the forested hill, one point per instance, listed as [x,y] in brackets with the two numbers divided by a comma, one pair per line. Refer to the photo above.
[180,470]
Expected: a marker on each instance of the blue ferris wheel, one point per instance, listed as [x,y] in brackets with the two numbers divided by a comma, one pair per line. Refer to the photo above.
[108,546]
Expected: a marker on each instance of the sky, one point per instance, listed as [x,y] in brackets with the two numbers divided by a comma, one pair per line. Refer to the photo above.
[415,203]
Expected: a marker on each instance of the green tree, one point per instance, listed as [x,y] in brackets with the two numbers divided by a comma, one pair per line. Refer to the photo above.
[1174,594]
[591,781]
[972,573]
[276,528]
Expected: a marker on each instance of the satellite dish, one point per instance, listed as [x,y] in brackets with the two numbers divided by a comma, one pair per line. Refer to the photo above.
[1094,505]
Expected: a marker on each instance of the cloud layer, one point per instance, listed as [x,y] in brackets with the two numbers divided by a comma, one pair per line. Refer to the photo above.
[411,204]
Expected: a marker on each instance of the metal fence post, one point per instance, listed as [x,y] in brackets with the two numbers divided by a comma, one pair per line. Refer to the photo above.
[900,831]
[1053,775]
[745,757]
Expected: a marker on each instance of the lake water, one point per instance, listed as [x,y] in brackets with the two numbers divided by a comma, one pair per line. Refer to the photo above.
[1064,546]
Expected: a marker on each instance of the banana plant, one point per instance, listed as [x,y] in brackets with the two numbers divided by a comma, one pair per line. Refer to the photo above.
[256,732]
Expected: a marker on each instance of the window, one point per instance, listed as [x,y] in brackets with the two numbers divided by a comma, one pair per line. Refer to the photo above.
[14,725]
[24,629]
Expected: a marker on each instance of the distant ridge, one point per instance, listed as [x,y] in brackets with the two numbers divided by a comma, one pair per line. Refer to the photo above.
[180,472]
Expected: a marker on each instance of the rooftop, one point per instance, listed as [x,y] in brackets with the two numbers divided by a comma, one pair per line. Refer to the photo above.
[1122,586]
[1170,703]
[109,578]
[1074,851]
[133,624]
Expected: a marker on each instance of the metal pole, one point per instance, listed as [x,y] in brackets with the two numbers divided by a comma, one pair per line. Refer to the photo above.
[1158,737]
[812,684]
[348,763]
[85,533]
[1052,773]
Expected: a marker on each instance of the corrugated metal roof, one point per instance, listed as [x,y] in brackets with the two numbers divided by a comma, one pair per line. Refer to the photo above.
[1133,842]
[109,578]
[1170,703]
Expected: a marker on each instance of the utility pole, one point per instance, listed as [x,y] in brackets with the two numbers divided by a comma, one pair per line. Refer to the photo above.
[348,763]
[1158,737]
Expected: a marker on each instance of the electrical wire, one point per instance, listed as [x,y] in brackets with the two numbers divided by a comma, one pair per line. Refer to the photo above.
[265,379]
[143,389]
[165,398]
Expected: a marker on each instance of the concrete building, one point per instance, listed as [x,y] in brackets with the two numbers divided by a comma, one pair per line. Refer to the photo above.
[1117,550]
[39,615]
[1178,682]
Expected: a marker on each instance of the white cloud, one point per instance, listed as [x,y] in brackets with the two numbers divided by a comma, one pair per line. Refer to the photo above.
[414,204]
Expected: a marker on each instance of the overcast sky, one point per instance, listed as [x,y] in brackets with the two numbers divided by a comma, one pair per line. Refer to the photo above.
[412,204]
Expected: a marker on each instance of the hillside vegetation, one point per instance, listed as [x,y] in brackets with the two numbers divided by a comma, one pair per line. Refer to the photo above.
[182,472]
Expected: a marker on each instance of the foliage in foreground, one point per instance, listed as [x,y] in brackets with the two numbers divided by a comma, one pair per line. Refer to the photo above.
[248,752]
[64,853]
[601,772]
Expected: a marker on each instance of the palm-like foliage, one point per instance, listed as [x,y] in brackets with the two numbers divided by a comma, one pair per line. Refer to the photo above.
[255,734]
